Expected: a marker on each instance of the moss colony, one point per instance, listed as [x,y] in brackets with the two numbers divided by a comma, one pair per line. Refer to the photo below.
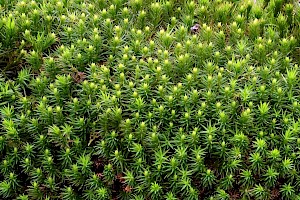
[144,100]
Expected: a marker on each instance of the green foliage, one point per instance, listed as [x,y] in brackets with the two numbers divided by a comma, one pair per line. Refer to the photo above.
[147,99]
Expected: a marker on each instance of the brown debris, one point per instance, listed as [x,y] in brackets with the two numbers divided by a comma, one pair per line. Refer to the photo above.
[127,189]
[234,195]
[78,77]
[120,177]
[275,193]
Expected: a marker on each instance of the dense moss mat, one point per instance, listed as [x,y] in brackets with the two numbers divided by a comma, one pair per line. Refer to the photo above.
[149,100]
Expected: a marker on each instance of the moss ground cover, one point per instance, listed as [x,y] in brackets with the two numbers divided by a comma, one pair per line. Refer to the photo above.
[142,99]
